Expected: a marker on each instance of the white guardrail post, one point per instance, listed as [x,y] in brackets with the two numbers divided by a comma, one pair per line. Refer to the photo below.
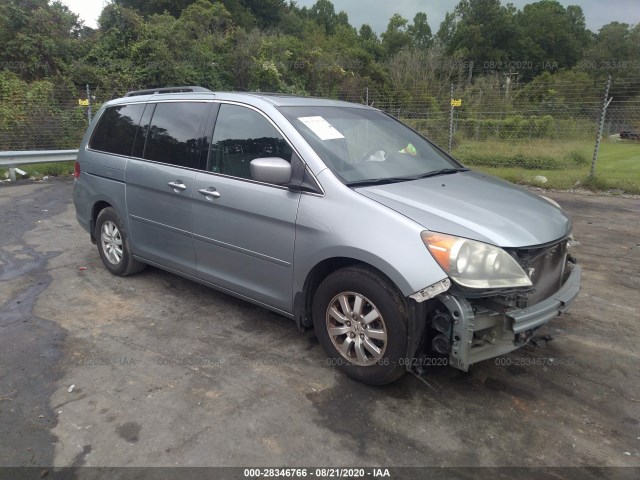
[15,159]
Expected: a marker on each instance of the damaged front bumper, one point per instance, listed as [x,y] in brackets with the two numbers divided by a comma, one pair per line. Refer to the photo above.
[481,329]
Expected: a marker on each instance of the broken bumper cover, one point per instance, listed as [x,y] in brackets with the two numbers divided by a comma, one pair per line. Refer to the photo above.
[543,312]
[480,333]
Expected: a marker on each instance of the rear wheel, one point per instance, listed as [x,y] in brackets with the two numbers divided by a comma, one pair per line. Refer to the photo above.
[361,322]
[113,245]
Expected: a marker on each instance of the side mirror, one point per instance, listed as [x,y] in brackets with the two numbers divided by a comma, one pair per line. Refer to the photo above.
[271,170]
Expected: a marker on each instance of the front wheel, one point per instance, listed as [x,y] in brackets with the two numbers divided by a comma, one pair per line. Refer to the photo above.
[361,322]
[113,245]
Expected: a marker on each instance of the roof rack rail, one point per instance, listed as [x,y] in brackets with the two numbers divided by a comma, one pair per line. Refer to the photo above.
[151,91]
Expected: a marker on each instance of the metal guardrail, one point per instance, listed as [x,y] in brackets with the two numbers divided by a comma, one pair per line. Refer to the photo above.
[12,160]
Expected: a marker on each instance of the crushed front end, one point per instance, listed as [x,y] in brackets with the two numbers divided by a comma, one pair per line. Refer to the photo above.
[470,325]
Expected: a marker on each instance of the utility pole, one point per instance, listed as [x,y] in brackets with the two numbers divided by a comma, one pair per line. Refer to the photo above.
[508,90]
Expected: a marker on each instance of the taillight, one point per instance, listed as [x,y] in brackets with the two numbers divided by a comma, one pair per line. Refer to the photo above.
[76,169]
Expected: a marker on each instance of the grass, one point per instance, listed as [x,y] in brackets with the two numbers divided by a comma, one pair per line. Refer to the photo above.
[39,170]
[565,165]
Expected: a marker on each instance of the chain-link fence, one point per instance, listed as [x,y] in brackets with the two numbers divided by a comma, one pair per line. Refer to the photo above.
[541,133]
[41,116]
[502,125]
[493,122]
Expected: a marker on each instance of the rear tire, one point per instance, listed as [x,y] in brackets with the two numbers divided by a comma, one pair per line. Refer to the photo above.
[113,244]
[360,320]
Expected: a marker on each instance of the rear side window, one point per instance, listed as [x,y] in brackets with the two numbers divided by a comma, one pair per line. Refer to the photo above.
[116,129]
[176,132]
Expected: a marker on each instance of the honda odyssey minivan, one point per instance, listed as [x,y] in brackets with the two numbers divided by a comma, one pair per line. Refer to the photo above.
[333,214]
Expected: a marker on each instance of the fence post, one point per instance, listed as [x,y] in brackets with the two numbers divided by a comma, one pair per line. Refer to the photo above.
[89,106]
[451,120]
[605,103]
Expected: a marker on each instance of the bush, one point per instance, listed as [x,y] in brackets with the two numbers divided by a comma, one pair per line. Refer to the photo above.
[533,155]
[511,127]
[42,115]
[576,158]
[529,161]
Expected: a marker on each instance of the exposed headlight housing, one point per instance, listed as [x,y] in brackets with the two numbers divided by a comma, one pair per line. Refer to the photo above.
[474,264]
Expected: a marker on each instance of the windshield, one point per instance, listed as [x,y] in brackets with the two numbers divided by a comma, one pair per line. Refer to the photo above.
[363,146]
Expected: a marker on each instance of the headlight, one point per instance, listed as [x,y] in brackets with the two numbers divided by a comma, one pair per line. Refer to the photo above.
[475,264]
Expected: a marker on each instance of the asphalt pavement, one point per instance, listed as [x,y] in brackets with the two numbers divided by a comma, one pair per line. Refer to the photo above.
[155,370]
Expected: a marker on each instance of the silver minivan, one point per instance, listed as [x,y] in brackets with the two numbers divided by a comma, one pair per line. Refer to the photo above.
[331,213]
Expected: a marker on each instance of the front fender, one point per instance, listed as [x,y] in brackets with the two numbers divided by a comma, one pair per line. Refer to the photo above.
[343,223]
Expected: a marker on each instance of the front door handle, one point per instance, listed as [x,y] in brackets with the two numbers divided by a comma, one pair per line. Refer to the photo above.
[177,186]
[210,193]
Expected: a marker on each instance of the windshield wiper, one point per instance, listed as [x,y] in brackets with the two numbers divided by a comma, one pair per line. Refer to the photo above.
[383,181]
[378,181]
[443,171]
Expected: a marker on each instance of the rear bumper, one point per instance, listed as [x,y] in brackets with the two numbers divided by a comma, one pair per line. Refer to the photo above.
[480,333]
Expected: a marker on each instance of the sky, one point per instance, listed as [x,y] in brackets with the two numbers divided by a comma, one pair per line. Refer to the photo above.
[378,12]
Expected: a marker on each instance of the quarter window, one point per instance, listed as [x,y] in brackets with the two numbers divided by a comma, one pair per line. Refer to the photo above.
[116,129]
[175,134]
[240,136]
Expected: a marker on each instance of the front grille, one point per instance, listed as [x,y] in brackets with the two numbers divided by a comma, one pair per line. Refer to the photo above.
[545,267]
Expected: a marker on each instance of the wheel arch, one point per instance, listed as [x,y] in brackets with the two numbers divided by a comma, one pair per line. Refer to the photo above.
[303,299]
[95,211]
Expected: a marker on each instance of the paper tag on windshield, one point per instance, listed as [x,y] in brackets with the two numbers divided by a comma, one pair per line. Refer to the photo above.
[321,128]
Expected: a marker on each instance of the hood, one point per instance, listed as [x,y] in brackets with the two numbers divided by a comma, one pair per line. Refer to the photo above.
[475,206]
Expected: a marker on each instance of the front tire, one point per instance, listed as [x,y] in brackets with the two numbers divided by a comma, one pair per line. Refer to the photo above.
[113,245]
[360,320]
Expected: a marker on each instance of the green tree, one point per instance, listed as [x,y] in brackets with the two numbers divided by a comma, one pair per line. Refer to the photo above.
[482,31]
[133,52]
[268,13]
[240,13]
[324,14]
[240,10]
[420,31]
[37,38]
[566,87]
[206,19]
[151,7]
[246,47]
[615,51]
[370,41]
[397,35]
[447,29]
[554,37]
[187,50]
[109,62]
